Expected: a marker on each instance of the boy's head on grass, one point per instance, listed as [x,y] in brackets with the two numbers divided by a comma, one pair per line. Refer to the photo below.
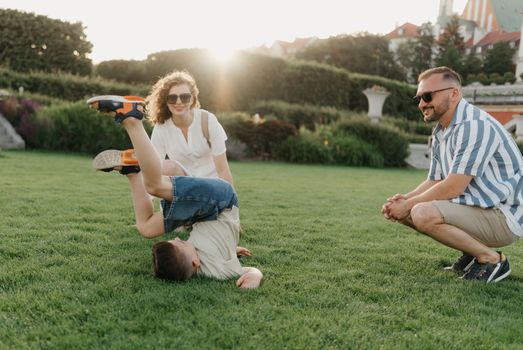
[175,260]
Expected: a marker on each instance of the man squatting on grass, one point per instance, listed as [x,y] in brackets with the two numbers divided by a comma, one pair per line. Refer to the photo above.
[473,197]
[211,205]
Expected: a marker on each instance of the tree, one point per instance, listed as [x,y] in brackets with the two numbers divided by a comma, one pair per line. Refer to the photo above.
[498,59]
[451,47]
[472,66]
[128,71]
[416,56]
[34,42]
[362,53]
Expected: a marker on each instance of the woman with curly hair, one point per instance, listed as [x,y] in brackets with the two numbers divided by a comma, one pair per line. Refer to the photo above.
[188,135]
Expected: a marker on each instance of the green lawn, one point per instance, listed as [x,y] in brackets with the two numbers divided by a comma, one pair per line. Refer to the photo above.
[75,274]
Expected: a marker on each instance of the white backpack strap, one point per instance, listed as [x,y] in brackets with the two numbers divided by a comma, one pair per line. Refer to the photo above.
[204,116]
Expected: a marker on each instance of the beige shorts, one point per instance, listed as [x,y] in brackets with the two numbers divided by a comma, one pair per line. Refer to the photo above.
[489,226]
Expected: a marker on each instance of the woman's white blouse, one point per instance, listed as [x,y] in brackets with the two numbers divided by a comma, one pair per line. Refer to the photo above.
[194,153]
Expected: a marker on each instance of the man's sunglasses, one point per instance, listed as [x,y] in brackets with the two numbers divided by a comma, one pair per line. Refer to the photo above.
[185,98]
[427,96]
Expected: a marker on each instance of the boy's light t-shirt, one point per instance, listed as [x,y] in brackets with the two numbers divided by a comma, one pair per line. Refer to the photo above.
[215,242]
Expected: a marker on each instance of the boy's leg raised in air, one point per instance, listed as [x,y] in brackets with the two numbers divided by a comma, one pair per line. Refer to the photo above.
[150,163]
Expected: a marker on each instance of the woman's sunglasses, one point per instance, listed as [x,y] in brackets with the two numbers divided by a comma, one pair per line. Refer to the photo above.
[427,96]
[185,98]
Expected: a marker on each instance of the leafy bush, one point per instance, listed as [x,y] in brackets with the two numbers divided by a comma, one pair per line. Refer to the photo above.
[20,112]
[342,150]
[302,149]
[390,143]
[261,138]
[496,79]
[126,71]
[66,86]
[471,78]
[509,77]
[76,128]
[298,114]
[254,77]
[482,78]
[520,145]
[351,150]
[419,127]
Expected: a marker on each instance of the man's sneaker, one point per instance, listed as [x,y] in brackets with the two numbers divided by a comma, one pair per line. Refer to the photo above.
[461,265]
[122,106]
[489,272]
[123,161]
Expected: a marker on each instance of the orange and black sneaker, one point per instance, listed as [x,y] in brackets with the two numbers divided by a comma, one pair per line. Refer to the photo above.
[122,106]
[124,162]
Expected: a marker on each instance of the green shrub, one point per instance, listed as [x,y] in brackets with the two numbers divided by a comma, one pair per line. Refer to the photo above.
[509,77]
[74,127]
[496,79]
[520,145]
[125,71]
[66,86]
[342,150]
[250,78]
[351,150]
[483,79]
[20,112]
[390,142]
[471,78]
[300,149]
[261,138]
[298,114]
[418,127]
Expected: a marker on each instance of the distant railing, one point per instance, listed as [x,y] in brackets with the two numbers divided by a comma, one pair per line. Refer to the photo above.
[510,94]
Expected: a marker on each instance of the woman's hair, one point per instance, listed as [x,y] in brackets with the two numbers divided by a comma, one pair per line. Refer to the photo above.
[157,101]
[170,263]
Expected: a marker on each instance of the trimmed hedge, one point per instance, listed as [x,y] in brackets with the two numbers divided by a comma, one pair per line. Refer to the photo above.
[66,86]
[261,138]
[341,150]
[298,114]
[390,143]
[251,77]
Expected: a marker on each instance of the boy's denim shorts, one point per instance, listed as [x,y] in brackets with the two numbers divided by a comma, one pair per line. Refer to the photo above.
[196,199]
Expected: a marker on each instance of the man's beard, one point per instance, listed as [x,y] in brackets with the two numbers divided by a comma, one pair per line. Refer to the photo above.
[437,111]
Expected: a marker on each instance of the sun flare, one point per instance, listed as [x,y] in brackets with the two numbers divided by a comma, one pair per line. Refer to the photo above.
[222,54]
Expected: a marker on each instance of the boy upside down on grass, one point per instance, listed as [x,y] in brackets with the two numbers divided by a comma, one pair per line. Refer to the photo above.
[209,204]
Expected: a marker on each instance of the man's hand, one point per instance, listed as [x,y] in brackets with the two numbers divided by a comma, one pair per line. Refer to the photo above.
[386,208]
[241,251]
[250,279]
[398,210]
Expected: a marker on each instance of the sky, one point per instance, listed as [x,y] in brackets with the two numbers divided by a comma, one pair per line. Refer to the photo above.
[131,30]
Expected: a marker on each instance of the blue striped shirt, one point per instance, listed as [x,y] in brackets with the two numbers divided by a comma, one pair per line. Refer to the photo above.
[476,144]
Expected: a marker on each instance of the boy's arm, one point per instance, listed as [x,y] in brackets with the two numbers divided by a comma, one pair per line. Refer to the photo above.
[250,279]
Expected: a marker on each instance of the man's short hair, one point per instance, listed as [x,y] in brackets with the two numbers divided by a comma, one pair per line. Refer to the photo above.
[448,74]
[170,263]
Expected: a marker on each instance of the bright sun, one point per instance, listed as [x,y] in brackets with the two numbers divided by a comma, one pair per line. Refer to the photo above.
[222,54]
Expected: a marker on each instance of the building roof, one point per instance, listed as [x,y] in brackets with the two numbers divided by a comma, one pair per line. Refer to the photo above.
[406,30]
[494,37]
[509,14]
